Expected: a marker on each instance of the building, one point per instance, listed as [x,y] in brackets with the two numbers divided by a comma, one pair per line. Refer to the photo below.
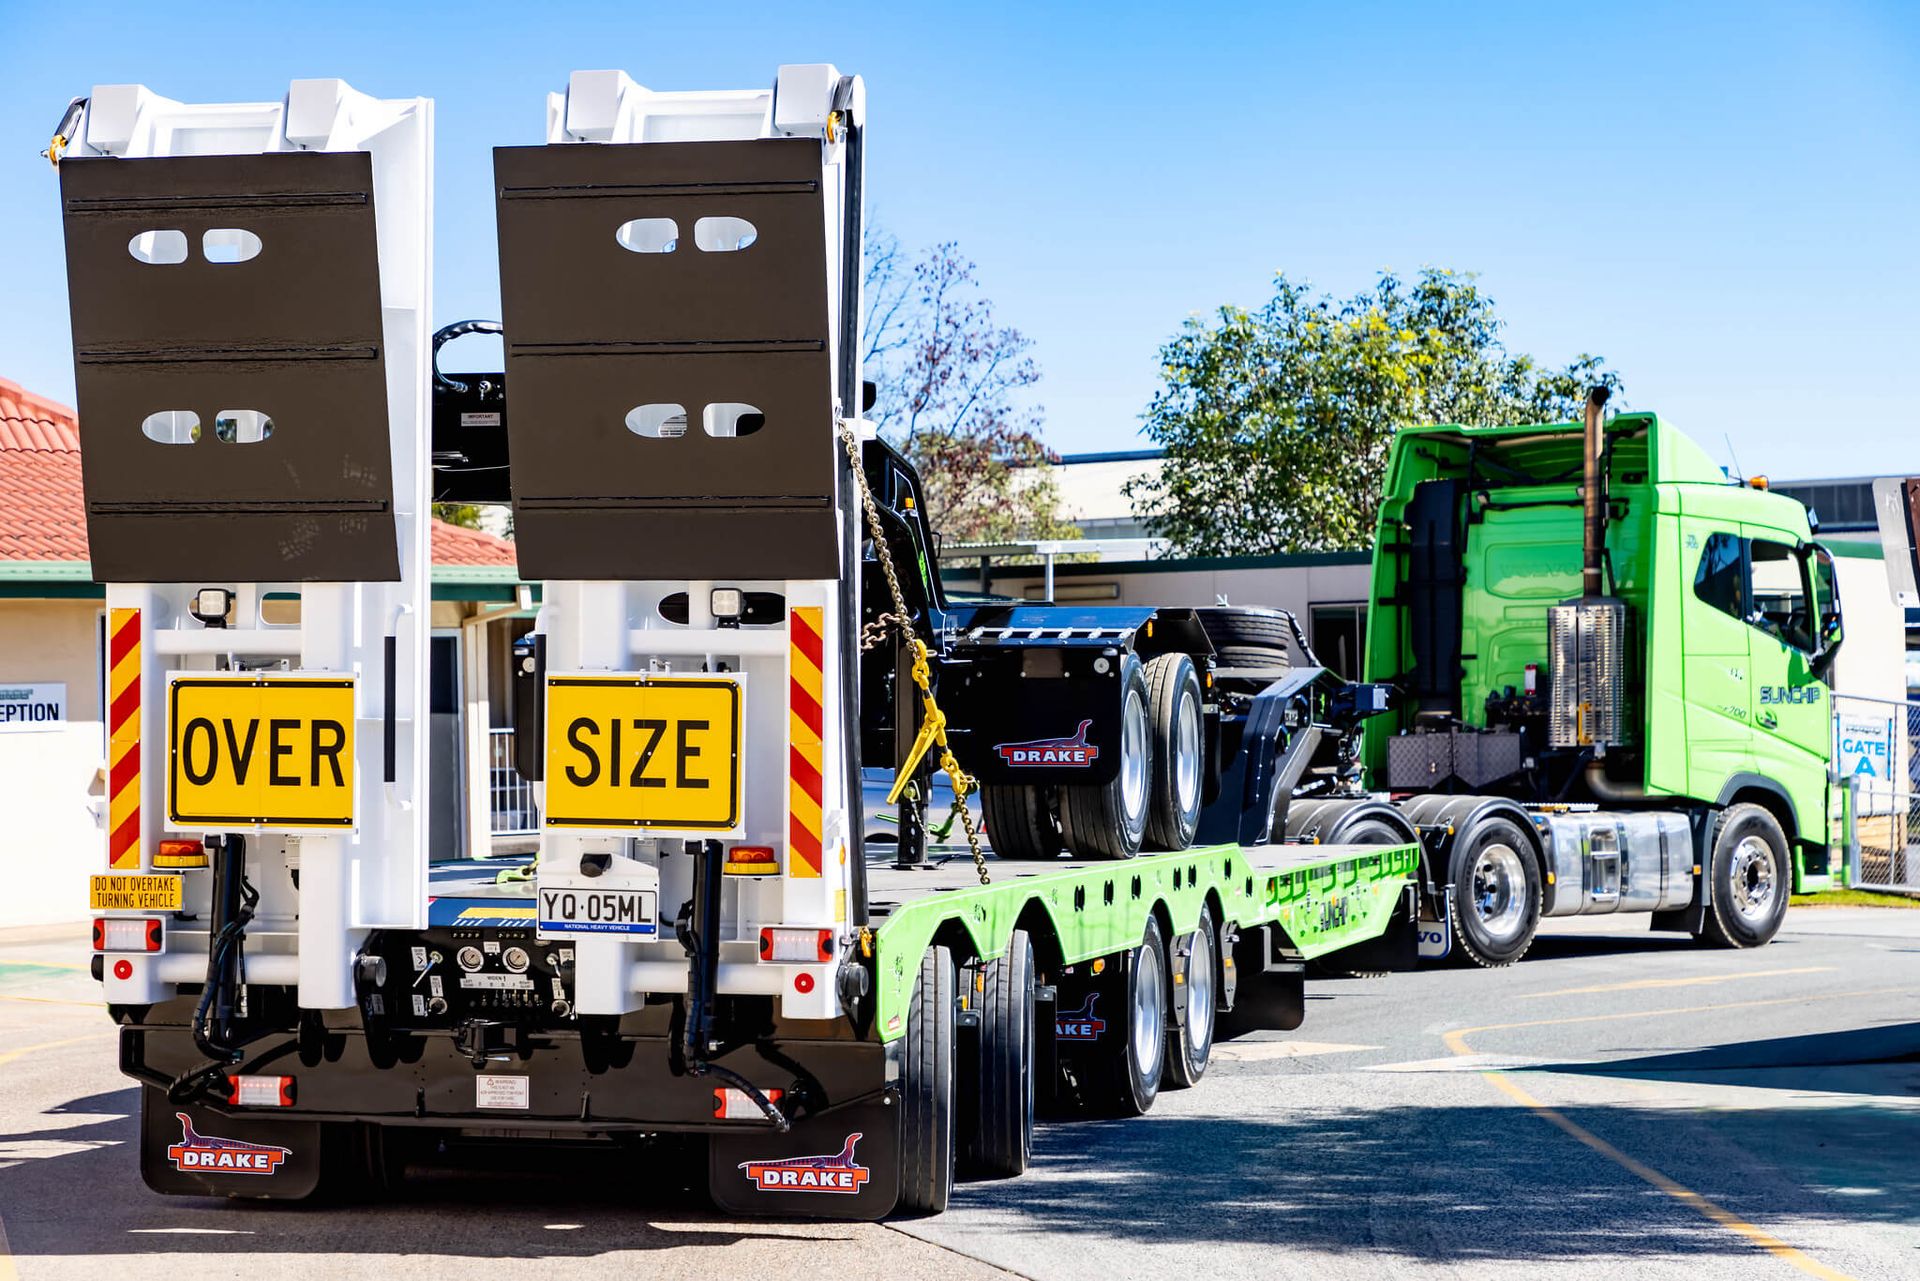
[52,675]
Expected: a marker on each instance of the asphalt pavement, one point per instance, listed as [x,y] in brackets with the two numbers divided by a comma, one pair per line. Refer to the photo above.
[1619,1104]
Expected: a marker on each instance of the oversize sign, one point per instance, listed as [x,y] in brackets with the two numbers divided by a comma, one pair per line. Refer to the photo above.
[260,750]
[658,753]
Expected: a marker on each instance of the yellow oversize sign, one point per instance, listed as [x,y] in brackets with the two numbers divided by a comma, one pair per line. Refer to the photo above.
[260,750]
[649,752]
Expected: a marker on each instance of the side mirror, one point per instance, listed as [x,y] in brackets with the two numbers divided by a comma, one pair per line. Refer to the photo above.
[1822,585]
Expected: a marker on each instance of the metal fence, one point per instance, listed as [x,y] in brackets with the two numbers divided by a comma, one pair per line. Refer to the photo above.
[510,800]
[1877,755]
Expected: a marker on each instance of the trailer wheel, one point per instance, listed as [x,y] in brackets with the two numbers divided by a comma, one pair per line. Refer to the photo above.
[1179,752]
[1249,639]
[1000,1142]
[1190,1039]
[1496,892]
[1110,820]
[1751,875]
[926,1089]
[1126,1077]
[1020,822]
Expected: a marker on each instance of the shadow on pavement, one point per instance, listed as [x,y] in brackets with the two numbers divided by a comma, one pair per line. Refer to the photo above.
[1816,1061]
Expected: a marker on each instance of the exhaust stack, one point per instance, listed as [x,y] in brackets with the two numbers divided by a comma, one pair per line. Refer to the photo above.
[1591,490]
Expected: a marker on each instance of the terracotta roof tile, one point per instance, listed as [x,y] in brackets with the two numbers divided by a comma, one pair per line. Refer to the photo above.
[43,510]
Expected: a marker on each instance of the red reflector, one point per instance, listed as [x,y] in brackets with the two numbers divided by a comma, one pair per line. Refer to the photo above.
[260,1091]
[123,969]
[732,1105]
[803,982]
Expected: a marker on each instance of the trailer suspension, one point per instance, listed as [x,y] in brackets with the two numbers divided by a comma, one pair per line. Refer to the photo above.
[933,724]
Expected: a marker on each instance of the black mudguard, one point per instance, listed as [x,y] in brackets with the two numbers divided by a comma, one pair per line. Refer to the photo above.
[193,1151]
[844,1164]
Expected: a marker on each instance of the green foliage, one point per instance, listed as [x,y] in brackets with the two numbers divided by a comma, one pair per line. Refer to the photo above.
[951,383]
[1276,422]
[465,515]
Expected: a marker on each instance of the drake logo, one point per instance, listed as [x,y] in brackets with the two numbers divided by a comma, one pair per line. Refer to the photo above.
[1080,1024]
[836,1173]
[198,1153]
[1075,751]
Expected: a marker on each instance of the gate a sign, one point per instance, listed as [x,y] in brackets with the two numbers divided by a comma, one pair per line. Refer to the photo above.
[1866,754]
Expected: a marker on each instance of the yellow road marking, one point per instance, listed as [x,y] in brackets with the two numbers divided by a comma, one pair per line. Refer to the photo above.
[7,1271]
[1639,984]
[1456,1041]
[21,1053]
[54,1000]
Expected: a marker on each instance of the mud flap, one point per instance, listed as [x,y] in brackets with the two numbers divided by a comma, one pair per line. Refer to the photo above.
[1089,1025]
[1270,987]
[843,1165]
[193,1151]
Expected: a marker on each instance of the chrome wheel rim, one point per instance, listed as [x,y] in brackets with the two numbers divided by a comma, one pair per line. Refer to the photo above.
[1499,890]
[1200,996]
[1133,759]
[1754,884]
[1186,754]
[1149,1031]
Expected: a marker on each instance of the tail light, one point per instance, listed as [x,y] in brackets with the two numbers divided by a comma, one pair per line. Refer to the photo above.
[795,946]
[127,934]
[180,852]
[260,1091]
[730,1104]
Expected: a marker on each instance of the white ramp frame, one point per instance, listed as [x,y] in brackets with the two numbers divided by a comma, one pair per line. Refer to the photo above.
[616,626]
[375,876]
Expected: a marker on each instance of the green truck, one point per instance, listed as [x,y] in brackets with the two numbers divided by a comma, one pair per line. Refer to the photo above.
[1613,674]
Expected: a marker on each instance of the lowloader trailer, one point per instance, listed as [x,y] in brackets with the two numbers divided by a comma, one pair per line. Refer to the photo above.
[738,611]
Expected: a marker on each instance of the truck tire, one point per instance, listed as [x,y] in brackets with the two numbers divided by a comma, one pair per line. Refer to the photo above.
[1496,892]
[1179,752]
[1109,820]
[926,1090]
[1751,874]
[1190,1037]
[1020,822]
[1125,1078]
[999,1143]
[1254,639]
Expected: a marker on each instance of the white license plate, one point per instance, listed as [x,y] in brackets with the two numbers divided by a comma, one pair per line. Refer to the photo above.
[566,913]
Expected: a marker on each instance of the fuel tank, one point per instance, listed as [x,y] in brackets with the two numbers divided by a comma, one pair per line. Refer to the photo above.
[1605,861]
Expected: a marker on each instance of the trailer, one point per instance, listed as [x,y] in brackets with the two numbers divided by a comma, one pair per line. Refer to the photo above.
[739,612]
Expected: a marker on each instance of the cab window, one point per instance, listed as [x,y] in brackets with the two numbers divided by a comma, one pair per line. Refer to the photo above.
[1722,578]
[1779,594]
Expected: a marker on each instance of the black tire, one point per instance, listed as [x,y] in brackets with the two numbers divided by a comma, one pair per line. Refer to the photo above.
[1109,820]
[1752,874]
[926,1090]
[1125,1078]
[1190,1039]
[1254,639]
[1179,752]
[1496,892]
[1020,822]
[999,1142]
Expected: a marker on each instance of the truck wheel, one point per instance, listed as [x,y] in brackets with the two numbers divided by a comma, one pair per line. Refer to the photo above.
[1131,1081]
[1250,639]
[1000,1142]
[926,1089]
[1179,752]
[1020,822]
[1496,893]
[1750,878]
[1110,820]
[1190,1041]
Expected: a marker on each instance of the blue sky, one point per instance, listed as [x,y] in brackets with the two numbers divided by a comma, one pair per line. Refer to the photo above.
[1722,200]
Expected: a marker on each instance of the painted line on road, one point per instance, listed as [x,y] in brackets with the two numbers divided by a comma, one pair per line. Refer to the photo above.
[1712,1211]
[7,1271]
[1261,1051]
[1641,984]
[56,1000]
[5,966]
[12,1055]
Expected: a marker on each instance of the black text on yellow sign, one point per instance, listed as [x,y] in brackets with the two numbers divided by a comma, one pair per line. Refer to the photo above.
[655,753]
[113,893]
[266,751]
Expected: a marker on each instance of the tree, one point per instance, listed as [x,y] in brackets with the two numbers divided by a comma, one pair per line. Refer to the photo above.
[1275,423]
[949,381]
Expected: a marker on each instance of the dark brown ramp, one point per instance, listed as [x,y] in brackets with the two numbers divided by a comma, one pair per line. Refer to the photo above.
[199,493]
[596,331]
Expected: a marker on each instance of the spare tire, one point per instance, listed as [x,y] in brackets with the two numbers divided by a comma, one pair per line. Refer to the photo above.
[1248,637]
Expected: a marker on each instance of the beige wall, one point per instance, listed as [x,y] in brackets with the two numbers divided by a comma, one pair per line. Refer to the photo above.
[1295,587]
[50,840]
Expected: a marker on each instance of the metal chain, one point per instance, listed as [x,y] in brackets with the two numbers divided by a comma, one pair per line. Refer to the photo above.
[899,621]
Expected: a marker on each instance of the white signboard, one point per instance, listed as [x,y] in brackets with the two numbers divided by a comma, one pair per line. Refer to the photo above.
[1866,755]
[32,707]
